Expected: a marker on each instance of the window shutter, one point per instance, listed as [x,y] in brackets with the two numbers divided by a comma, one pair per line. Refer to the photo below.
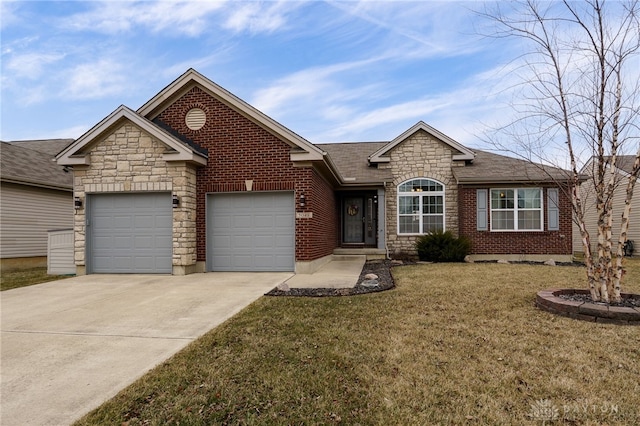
[553,211]
[482,218]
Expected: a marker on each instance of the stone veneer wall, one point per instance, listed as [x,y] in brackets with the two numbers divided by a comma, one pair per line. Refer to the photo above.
[420,156]
[130,160]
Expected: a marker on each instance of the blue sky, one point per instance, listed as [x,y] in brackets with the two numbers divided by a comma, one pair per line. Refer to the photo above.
[330,71]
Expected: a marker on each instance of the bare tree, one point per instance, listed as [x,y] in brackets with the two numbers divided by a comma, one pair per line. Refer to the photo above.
[579,100]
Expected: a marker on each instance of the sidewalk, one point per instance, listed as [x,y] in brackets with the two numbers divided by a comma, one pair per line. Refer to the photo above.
[342,272]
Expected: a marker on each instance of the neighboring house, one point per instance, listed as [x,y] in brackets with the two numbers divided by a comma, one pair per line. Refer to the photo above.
[36,196]
[198,180]
[623,171]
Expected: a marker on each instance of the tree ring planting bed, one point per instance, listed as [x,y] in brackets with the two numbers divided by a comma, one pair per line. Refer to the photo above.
[577,304]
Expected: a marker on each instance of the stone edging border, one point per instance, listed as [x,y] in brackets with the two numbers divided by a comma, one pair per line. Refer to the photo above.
[549,301]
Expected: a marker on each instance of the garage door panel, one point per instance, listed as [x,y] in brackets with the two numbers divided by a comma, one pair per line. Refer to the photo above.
[250,232]
[130,233]
[242,242]
[264,241]
[284,222]
[164,243]
[122,242]
[264,221]
[143,242]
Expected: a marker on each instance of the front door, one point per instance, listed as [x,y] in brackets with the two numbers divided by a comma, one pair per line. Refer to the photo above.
[359,220]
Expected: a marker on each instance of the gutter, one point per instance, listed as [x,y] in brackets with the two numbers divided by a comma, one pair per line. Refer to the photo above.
[38,184]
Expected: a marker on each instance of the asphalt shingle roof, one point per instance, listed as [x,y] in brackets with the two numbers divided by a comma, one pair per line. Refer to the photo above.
[32,163]
[351,160]
[488,167]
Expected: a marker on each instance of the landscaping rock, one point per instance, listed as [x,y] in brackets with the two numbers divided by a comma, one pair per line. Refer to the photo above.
[283,287]
[467,259]
[397,262]
[550,262]
[371,277]
[504,262]
[370,283]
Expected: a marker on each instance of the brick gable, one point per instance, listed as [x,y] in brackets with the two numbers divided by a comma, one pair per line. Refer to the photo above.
[241,150]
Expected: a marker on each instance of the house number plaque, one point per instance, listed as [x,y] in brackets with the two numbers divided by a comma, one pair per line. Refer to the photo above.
[304,215]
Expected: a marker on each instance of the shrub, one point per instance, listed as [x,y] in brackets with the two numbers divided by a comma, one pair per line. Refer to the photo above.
[442,247]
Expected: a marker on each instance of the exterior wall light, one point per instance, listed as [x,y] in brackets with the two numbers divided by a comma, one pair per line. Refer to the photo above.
[77,203]
[175,201]
[302,201]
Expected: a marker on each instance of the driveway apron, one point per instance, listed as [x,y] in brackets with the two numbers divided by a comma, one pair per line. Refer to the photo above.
[69,345]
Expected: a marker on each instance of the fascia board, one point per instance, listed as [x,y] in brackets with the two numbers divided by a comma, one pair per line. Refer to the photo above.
[184,156]
[234,102]
[298,156]
[379,156]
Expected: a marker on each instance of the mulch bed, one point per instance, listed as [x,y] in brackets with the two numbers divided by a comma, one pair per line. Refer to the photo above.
[382,268]
[632,301]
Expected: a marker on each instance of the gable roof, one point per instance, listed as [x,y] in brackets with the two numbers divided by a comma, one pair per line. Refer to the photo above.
[34,167]
[381,155]
[494,168]
[351,161]
[302,148]
[177,150]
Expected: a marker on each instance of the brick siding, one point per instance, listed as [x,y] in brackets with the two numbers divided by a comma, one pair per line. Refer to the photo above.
[538,242]
[241,150]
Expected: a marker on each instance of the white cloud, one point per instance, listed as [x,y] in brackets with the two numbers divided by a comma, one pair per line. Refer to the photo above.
[255,17]
[95,80]
[439,28]
[8,11]
[31,65]
[314,85]
[183,17]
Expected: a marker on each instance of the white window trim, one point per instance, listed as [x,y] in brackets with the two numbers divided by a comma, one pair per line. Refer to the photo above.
[420,215]
[515,210]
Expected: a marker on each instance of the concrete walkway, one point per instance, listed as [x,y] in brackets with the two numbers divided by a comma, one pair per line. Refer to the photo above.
[342,272]
[69,345]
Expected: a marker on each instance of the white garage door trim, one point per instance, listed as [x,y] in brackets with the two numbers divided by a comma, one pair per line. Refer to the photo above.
[251,231]
[129,233]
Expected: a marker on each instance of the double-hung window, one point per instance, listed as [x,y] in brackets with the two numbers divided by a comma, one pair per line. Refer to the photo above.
[420,207]
[516,209]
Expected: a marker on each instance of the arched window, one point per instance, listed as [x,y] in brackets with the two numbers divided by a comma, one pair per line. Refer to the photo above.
[420,206]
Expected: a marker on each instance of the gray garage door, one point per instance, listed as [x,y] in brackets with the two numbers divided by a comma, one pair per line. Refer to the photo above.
[130,233]
[250,231]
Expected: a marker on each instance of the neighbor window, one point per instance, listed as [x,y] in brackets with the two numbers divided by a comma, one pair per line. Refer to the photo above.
[516,209]
[420,206]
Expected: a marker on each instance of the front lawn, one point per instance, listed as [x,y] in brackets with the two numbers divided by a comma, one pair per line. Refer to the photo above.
[25,277]
[452,344]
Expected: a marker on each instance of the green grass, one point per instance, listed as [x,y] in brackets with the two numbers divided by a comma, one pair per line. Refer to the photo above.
[26,277]
[452,344]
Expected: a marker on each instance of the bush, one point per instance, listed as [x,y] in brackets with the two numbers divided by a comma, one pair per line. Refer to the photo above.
[442,247]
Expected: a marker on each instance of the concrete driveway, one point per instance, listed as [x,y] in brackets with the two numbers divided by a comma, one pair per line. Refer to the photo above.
[69,345]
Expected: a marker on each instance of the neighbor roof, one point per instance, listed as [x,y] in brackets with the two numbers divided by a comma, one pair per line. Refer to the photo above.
[625,162]
[351,161]
[488,167]
[47,146]
[27,166]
